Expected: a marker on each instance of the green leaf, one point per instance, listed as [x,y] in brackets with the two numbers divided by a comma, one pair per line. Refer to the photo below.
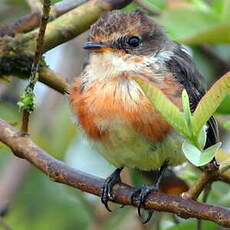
[191,152]
[162,104]
[224,107]
[226,125]
[219,33]
[217,6]
[202,138]
[209,103]
[194,22]
[200,4]
[199,157]
[199,25]
[186,107]
[226,9]
[209,153]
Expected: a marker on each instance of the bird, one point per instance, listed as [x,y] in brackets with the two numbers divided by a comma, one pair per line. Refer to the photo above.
[114,112]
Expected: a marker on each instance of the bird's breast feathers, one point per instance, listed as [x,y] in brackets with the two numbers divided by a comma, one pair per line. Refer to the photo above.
[120,121]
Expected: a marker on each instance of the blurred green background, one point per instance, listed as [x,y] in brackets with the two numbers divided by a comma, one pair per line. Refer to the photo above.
[38,203]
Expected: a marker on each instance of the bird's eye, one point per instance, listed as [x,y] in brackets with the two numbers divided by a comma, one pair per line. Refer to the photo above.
[134,41]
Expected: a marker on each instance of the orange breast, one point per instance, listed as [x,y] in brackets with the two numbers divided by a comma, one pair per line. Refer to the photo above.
[98,105]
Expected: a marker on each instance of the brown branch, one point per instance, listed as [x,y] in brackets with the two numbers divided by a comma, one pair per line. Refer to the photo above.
[225,178]
[53,80]
[62,173]
[207,177]
[31,21]
[72,23]
[65,6]
[49,78]
[25,121]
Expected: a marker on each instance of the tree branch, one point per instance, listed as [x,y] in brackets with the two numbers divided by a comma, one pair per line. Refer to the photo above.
[58,171]
[73,23]
[206,177]
[16,53]
[53,80]
[31,21]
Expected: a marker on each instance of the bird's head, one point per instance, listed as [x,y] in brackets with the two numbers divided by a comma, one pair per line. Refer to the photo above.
[123,43]
[126,32]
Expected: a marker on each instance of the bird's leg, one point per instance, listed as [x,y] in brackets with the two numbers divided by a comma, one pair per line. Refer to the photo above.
[142,192]
[107,187]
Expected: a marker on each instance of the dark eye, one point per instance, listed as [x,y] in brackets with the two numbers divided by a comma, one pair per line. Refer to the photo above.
[134,41]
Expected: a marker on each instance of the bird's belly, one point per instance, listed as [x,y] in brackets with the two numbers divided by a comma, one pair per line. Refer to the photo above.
[124,127]
[131,149]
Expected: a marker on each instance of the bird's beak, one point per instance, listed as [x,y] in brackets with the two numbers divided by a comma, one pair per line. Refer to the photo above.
[96,46]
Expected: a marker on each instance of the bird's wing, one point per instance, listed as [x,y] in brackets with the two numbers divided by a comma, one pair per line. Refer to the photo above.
[184,70]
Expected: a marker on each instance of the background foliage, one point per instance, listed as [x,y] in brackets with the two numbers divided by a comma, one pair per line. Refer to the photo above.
[41,204]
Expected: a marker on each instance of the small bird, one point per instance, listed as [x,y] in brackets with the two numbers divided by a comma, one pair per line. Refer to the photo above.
[113,110]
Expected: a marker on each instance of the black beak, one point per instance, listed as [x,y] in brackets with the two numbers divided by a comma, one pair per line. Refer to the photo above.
[95,46]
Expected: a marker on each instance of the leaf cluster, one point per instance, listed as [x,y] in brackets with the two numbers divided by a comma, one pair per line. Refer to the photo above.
[192,126]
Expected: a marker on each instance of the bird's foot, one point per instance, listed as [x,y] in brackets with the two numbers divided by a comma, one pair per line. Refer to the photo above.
[106,193]
[139,195]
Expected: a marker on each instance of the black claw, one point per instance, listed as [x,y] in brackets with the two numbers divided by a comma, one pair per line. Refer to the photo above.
[105,196]
[106,193]
[142,217]
[150,214]
[139,196]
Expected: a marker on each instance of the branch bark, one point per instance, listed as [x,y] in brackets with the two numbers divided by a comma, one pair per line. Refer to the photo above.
[54,80]
[58,171]
[31,21]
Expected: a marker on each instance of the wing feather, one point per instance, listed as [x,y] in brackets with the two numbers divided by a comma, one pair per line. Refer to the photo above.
[184,70]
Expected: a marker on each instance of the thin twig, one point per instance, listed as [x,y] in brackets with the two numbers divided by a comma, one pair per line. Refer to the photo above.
[205,178]
[62,173]
[29,95]
[40,40]
[25,121]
